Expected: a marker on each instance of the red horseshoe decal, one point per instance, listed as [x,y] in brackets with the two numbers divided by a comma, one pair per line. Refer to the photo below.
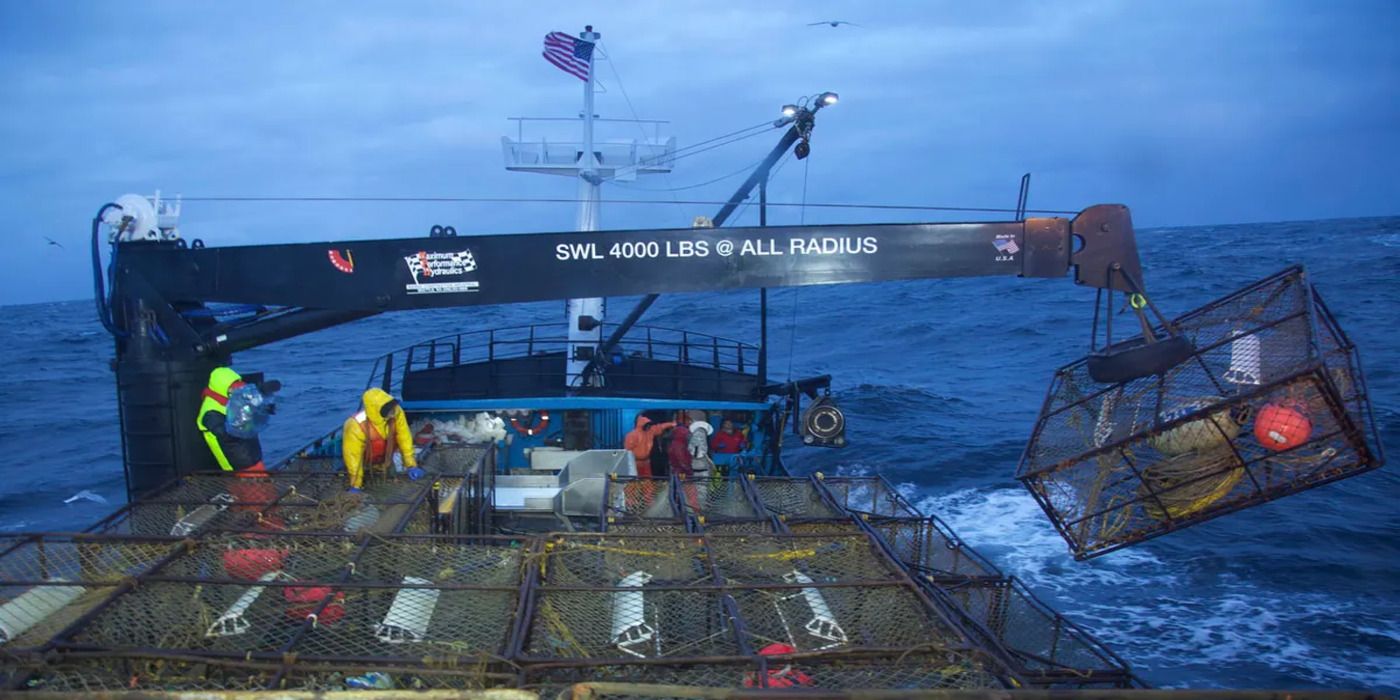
[344,263]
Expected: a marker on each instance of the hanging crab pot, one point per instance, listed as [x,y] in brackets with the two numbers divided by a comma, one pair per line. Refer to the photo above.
[1269,401]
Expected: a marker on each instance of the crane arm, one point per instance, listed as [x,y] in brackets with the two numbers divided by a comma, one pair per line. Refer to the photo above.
[371,276]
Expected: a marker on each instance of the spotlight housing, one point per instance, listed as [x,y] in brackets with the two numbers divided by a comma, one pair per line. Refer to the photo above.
[789,110]
[827,99]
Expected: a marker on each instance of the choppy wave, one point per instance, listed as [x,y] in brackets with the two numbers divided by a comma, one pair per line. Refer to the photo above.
[1173,621]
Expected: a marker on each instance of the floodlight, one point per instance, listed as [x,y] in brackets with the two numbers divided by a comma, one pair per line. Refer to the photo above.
[827,99]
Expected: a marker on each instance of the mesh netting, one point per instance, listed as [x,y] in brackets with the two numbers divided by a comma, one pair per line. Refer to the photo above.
[930,548]
[337,677]
[1043,644]
[716,498]
[916,671]
[605,561]
[868,494]
[550,682]
[32,616]
[812,527]
[466,561]
[78,673]
[454,459]
[202,487]
[1265,407]
[635,498]
[645,527]
[248,556]
[735,527]
[779,559]
[413,620]
[629,622]
[186,616]
[792,498]
[44,559]
[827,618]
[310,503]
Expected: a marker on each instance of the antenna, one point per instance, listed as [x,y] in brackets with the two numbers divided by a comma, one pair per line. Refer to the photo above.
[1021,198]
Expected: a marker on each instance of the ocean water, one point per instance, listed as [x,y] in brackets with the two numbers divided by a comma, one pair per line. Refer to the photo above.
[941,381]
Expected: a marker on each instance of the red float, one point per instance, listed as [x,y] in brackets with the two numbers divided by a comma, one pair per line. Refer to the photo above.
[1282,426]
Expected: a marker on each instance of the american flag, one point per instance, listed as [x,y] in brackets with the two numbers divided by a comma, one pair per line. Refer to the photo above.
[571,55]
[1006,245]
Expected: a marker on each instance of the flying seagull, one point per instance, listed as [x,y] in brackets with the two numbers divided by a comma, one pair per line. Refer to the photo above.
[53,242]
[832,22]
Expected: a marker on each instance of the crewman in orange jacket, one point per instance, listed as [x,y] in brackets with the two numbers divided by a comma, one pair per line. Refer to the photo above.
[370,438]
[639,442]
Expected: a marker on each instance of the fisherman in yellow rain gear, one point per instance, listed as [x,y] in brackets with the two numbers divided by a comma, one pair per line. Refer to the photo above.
[371,437]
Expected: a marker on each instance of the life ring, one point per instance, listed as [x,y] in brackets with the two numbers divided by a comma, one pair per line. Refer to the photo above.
[539,426]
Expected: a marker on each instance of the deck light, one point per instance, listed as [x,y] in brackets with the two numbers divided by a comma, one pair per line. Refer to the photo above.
[789,110]
[827,99]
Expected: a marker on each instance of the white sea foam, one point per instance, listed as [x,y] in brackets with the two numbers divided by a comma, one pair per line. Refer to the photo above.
[1389,240]
[1163,615]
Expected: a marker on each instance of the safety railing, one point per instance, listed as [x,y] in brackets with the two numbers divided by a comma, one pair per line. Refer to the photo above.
[717,358]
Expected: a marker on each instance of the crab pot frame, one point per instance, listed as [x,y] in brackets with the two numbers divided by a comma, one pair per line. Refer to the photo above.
[736,611]
[1271,402]
[1045,648]
[1040,645]
[309,502]
[255,596]
[245,610]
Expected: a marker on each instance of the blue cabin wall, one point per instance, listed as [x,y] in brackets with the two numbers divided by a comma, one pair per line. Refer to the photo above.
[613,418]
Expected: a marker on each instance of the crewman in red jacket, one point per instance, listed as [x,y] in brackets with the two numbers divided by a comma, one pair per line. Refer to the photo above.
[728,440]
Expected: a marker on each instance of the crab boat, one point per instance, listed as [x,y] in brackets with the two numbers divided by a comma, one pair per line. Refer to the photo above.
[540,556]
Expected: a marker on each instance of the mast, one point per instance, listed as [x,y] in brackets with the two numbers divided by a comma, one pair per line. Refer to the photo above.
[586,316]
[591,162]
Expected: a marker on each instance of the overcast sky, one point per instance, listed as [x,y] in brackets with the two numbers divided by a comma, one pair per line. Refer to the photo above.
[1189,112]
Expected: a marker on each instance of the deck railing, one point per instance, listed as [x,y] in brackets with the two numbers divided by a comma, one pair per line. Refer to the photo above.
[686,348]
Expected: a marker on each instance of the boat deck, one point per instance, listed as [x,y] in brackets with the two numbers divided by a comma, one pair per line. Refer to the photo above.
[219,582]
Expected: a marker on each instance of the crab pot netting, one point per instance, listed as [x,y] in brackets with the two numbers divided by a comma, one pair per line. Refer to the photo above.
[792,559]
[792,498]
[406,598]
[1272,402]
[639,498]
[735,527]
[716,498]
[48,582]
[645,527]
[928,547]
[325,677]
[868,494]
[1044,647]
[94,673]
[312,503]
[913,671]
[657,597]
[605,560]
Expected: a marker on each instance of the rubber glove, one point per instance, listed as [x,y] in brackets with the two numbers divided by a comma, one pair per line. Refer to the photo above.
[415,473]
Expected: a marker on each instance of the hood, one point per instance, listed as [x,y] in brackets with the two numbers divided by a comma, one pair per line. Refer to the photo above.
[373,402]
[222,380]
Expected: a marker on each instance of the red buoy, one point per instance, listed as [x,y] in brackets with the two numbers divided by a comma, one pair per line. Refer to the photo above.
[1282,426]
